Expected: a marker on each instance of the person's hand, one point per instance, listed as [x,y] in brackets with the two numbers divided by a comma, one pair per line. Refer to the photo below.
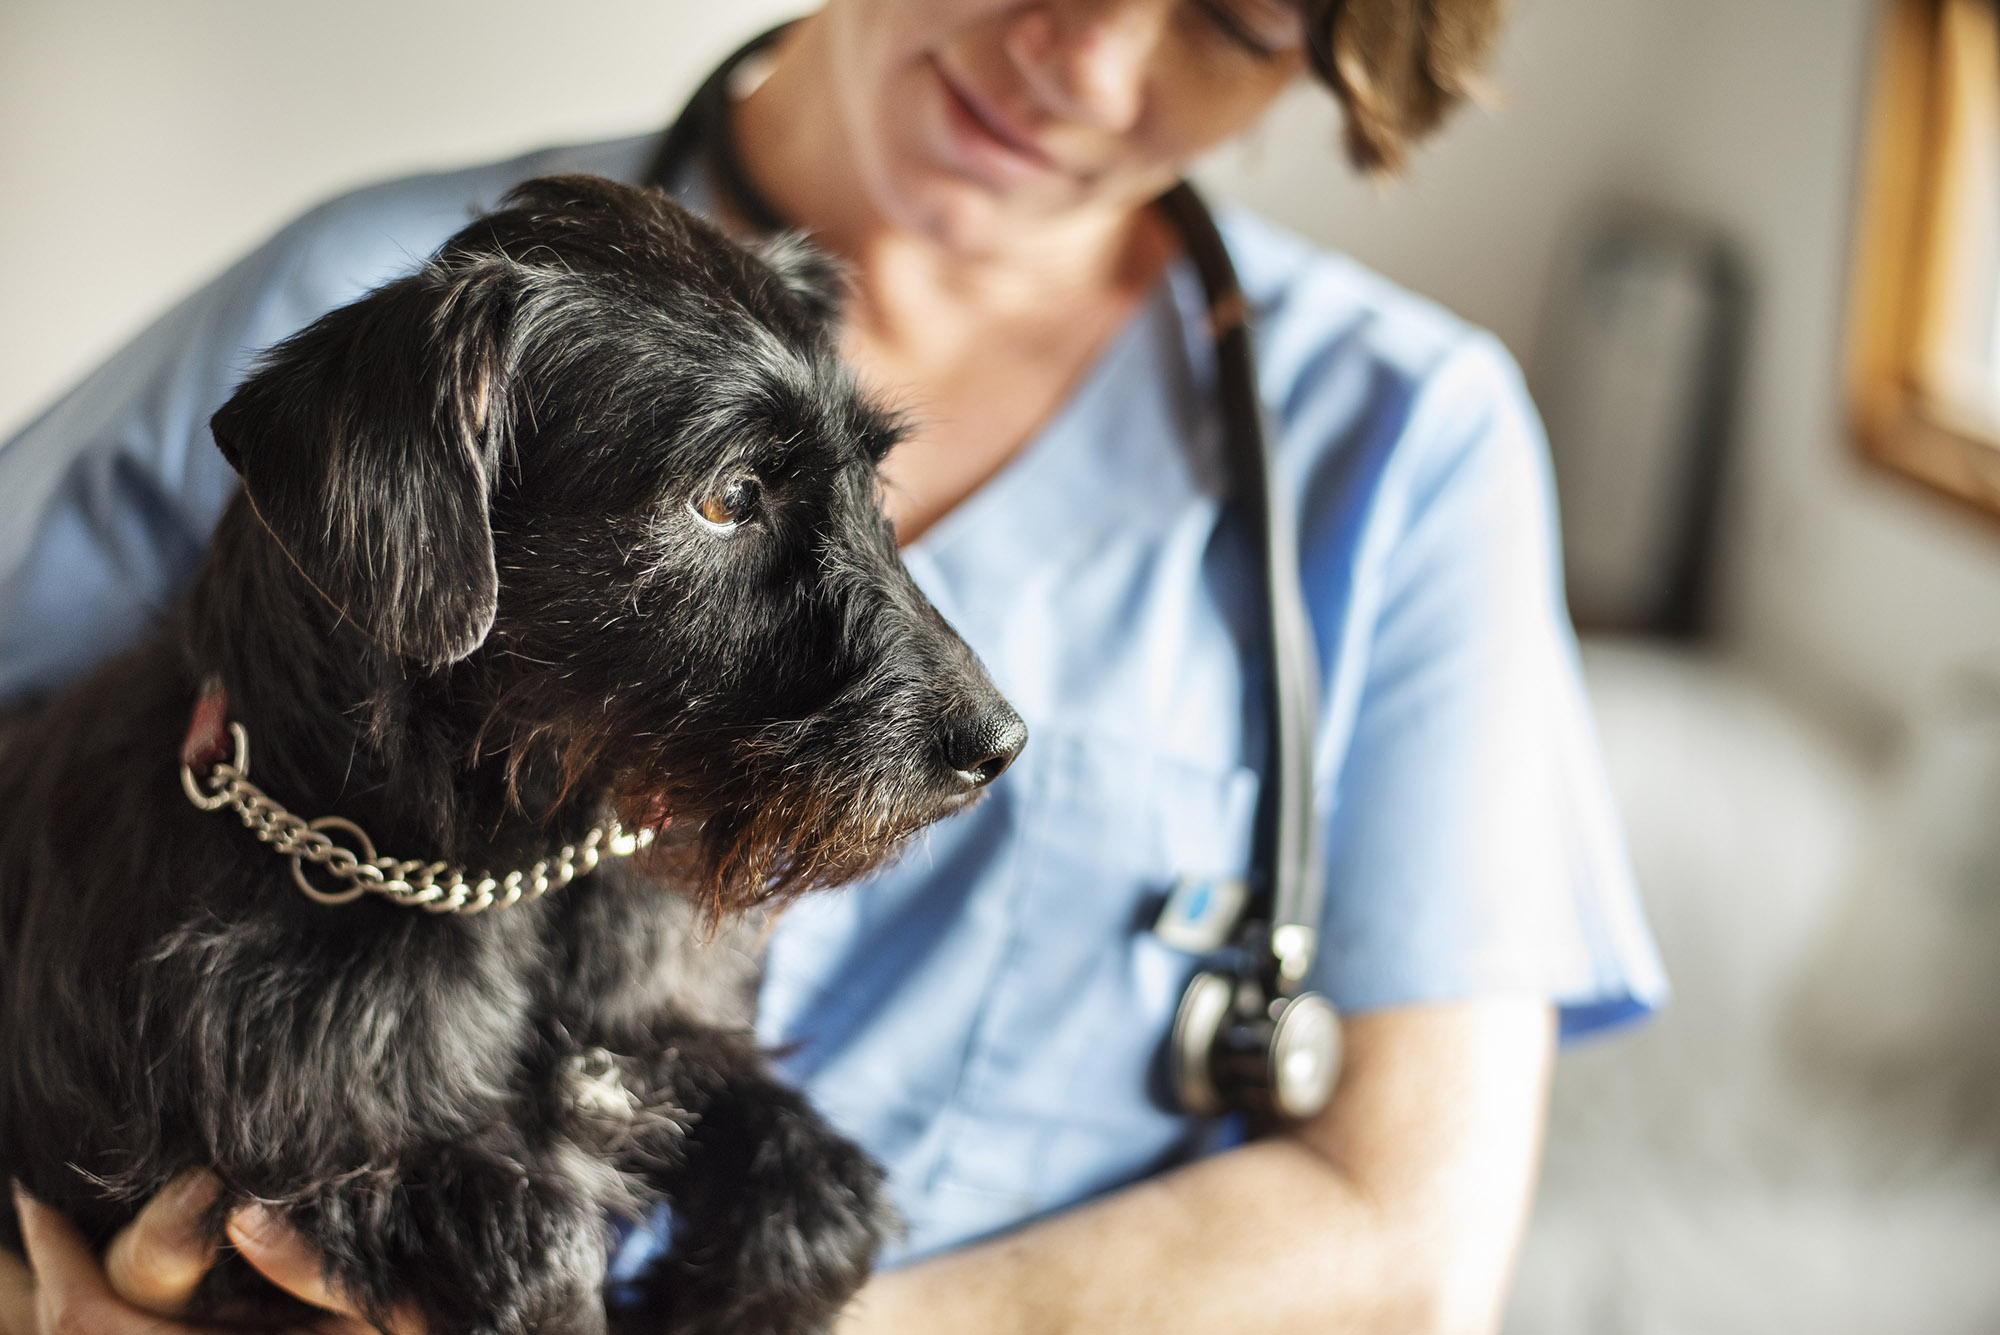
[152,1268]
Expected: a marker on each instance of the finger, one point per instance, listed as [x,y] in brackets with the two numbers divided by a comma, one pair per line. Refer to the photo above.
[70,1292]
[62,1261]
[157,1261]
[271,1245]
[17,1294]
[277,1251]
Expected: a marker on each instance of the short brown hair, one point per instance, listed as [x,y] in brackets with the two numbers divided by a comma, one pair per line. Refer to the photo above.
[1397,66]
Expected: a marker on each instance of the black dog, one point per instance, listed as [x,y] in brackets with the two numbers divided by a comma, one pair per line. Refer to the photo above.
[580,519]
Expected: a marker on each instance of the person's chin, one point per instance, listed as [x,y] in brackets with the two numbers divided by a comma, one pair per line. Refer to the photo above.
[975,222]
[961,214]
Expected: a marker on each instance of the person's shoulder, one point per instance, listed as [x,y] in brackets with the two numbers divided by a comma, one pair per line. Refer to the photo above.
[1349,358]
[359,239]
[1312,306]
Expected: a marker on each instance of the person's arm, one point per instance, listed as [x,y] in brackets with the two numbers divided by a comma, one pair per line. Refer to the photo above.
[1399,1209]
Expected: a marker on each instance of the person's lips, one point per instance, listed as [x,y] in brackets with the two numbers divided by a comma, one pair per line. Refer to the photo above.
[985,133]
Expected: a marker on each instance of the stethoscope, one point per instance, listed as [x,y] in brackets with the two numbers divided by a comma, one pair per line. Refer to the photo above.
[1247,1035]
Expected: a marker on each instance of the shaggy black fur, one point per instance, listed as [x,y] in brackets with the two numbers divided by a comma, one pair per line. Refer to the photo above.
[469,600]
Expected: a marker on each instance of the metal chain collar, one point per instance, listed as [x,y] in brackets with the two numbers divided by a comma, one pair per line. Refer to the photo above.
[431,886]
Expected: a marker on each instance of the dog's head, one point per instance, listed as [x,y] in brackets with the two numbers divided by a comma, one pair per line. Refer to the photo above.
[599,469]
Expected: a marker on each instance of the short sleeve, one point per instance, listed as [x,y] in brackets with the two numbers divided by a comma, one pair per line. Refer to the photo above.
[1472,845]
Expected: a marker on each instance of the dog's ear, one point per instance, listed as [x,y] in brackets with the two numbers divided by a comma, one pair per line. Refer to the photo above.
[368,444]
[814,279]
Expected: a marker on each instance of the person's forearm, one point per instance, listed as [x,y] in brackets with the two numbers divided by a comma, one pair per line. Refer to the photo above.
[1401,1212]
[1265,1237]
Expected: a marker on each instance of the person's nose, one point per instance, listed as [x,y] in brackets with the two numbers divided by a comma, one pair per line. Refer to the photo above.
[1087,60]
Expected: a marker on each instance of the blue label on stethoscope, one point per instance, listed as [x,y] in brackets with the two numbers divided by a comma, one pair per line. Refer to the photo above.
[1200,913]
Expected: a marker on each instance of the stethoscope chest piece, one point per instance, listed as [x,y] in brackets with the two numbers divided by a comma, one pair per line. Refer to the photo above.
[1233,1046]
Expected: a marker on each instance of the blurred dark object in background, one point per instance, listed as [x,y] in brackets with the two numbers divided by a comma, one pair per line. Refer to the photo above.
[1636,375]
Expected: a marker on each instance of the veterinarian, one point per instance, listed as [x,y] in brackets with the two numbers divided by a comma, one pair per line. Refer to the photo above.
[988,1018]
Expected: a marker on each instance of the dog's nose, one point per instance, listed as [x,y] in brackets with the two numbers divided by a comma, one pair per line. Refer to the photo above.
[981,747]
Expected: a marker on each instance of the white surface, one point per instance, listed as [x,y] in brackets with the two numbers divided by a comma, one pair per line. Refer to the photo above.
[1805,1139]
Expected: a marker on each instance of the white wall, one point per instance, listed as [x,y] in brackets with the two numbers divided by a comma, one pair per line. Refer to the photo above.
[143,144]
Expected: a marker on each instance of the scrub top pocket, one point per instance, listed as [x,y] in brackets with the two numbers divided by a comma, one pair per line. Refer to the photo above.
[1060,1095]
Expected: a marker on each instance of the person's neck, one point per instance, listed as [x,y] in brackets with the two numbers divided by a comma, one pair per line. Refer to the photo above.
[795,147]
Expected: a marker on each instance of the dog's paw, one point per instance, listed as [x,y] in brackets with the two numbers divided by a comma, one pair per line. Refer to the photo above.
[821,1211]
[779,1250]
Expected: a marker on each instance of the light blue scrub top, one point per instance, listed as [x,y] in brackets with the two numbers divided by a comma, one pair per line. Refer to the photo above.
[987,1016]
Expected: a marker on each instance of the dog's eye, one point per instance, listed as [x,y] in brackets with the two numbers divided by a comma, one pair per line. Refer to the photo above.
[729,504]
